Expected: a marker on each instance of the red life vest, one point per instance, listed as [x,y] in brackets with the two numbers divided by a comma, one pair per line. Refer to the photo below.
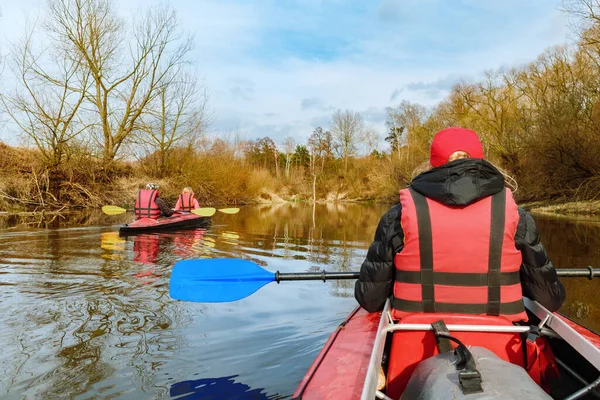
[458,259]
[145,204]
[187,202]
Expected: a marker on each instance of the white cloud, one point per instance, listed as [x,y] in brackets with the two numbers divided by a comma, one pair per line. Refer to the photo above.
[280,70]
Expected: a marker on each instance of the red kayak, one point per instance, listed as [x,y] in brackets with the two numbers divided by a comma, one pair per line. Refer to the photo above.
[176,221]
[370,356]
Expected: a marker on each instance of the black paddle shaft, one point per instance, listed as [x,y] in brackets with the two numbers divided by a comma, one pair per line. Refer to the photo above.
[323,275]
[315,276]
[588,272]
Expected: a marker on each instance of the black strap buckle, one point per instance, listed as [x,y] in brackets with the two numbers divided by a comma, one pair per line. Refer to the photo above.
[534,333]
[441,332]
[470,381]
[469,377]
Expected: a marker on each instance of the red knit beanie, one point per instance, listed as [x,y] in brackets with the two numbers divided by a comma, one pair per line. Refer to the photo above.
[453,139]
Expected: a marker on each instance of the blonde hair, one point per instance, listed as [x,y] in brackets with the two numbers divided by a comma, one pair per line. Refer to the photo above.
[457,155]
[187,189]
[509,181]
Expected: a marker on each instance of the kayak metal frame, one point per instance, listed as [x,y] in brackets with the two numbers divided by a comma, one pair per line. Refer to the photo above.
[460,328]
[575,375]
[583,346]
[568,334]
[550,325]
[591,388]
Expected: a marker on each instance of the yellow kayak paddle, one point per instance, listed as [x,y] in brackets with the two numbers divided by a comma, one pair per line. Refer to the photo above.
[203,212]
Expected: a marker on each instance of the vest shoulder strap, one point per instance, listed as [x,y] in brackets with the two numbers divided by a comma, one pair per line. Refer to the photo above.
[498,216]
[425,250]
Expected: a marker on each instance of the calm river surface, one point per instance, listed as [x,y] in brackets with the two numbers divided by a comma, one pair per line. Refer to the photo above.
[86,314]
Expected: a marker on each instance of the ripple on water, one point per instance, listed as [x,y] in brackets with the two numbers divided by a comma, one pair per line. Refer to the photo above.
[86,314]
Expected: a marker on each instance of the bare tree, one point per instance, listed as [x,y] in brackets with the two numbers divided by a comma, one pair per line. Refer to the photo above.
[585,15]
[347,128]
[407,121]
[408,115]
[126,74]
[46,103]
[496,105]
[320,146]
[289,145]
[371,140]
[585,21]
[177,116]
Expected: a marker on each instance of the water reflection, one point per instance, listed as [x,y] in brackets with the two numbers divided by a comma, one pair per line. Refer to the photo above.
[85,313]
[145,248]
[24,221]
[72,309]
[575,243]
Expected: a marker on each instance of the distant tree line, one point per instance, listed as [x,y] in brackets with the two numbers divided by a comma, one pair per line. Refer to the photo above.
[104,100]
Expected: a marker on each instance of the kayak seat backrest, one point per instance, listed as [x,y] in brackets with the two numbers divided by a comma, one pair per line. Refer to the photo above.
[411,347]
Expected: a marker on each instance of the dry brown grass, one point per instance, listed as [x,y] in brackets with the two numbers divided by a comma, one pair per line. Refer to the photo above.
[261,181]
[591,207]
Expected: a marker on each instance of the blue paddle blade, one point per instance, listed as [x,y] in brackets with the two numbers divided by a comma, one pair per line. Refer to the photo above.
[217,280]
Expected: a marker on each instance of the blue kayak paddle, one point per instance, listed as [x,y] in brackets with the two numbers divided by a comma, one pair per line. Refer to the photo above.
[219,280]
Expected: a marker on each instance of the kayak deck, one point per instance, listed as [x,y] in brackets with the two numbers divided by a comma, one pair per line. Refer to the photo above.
[177,221]
[350,363]
[342,364]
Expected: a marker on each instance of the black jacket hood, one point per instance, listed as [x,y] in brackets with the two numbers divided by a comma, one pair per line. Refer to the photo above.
[460,182]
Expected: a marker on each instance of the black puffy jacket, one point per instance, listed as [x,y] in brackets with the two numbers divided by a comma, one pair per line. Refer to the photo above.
[459,182]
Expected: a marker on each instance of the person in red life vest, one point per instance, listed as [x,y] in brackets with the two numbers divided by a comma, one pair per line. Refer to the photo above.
[186,201]
[457,242]
[148,204]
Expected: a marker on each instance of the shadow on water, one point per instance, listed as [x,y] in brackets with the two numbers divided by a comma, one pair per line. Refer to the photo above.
[86,314]
[225,388]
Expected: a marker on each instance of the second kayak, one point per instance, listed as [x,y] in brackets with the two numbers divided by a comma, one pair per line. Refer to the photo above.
[176,221]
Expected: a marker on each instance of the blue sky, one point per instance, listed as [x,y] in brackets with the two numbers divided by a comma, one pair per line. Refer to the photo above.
[279,68]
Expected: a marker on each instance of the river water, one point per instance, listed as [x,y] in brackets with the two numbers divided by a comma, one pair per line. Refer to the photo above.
[86,314]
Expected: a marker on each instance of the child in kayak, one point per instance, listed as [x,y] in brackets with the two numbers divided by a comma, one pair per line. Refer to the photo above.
[186,201]
[457,242]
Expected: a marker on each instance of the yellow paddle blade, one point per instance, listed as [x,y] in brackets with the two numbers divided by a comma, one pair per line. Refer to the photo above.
[205,212]
[113,210]
[229,210]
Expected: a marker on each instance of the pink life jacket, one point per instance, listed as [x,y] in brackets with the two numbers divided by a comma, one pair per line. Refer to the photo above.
[187,202]
[145,204]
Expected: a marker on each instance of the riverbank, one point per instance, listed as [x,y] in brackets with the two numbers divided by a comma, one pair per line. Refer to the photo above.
[217,177]
[584,207]
[125,198]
